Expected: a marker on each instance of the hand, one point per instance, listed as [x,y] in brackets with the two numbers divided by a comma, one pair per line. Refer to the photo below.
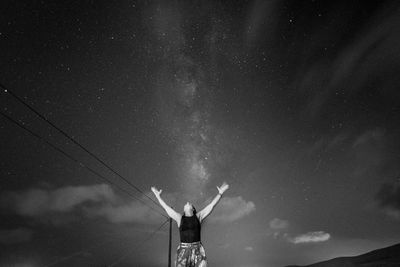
[155,191]
[223,188]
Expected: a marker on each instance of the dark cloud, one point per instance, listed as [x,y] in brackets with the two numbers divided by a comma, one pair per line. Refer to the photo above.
[58,206]
[368,58]
[388,199]
[14,236]
[369,151]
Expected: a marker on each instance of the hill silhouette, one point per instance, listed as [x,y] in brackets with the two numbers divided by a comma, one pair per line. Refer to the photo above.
[384,257]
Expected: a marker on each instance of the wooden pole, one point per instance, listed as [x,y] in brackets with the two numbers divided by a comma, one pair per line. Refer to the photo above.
[170,237]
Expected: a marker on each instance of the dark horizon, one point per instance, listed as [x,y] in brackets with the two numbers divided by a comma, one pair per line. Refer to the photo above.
[387,256]
[295,104]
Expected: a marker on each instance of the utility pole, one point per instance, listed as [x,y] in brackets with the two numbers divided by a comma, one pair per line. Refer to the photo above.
[170,237]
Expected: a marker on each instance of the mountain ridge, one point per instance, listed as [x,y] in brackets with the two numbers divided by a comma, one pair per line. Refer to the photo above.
[382,257]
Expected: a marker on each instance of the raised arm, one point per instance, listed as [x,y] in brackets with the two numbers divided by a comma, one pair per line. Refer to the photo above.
[170,211]
[209,208]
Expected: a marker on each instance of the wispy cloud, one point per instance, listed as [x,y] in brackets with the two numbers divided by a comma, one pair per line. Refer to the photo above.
[368,150]
[374,135]
[388,199]
[371,55]
[248,248]
[310,237]
[132,212]
[231,209]
[278,224]
[37,201]
[101,201]
[91,201]
[278,228]
[327,143]
[261,21]
[228,210]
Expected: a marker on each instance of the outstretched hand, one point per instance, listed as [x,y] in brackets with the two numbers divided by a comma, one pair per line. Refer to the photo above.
[155,191]
[222,188]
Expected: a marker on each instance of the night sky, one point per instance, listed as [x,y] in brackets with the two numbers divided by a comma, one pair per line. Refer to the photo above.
[295,104]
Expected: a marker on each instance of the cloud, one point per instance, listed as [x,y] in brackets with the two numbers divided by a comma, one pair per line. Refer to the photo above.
[51,205]
[231,209]
[225,245]
[375,135]
[134,211]
[278,224]
[261,20]
[388,199]
[395,214]
[14,236]
[372,55]
[248,248]
[277,228]
[57,206]
[36,201]
[310,237]
[327,143]
[369,151]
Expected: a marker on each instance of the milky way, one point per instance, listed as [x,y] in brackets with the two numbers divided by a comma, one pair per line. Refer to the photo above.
[183,102]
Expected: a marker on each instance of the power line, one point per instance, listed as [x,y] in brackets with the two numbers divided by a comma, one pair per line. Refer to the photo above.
[77,161]
[6,90]
[123,256]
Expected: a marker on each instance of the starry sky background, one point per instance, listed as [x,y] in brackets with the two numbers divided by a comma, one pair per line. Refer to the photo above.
[294,103]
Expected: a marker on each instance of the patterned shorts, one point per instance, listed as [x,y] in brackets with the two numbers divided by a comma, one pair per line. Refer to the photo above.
[191,255]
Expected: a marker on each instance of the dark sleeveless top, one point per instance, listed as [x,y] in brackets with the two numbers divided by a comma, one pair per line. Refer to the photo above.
[189,229]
